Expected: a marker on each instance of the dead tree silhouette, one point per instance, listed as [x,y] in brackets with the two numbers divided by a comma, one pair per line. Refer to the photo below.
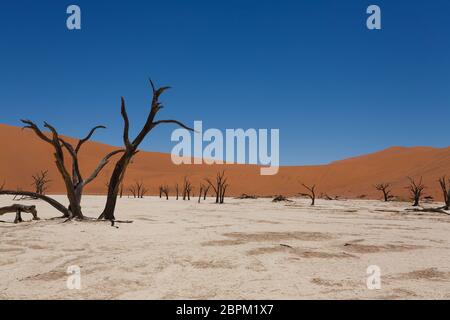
[219,186]
[74,182]
[138,190]
[445,191]
[165,190]
[205,191]
[311,194]
[416,190]
[131,147]
[386,189]
[177,189]
[40,182]
[187,189]
[200,192]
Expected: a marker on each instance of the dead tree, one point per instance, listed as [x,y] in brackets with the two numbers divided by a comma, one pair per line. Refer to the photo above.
[200,192]
[311,194]
[219,186]
[40,182]
[177,190]
[205,191]
[223,192]
[164,190]
[131,148]
[445,191]
[73,180]
[386,189]
[138,190]
[187,189]
[142,190]
[416,190]
[133,191]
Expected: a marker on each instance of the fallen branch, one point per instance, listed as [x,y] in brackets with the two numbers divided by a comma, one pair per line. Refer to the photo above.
[429,210]
[18,209]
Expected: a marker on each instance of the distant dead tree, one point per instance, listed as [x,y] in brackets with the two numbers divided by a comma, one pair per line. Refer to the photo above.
[416,190]
[177,189]
[445,191]
[131,147]
[205,190]
[164,190]
[200,192]
[386,189]
[73,180]
[138,190]
[133,191]
[40,182]
[187,189]
[311,194]
[219,186]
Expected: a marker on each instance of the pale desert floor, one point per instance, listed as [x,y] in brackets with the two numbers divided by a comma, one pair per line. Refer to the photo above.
[244,249]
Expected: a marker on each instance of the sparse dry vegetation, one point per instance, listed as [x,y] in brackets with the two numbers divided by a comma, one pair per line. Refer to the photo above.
[219,186]
[40,182]
[385,188]
[281,198]
[416,190]
[311,193]
[187,189]
[138,190]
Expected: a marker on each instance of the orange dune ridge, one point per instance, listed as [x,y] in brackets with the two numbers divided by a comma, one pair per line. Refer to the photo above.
[22,154]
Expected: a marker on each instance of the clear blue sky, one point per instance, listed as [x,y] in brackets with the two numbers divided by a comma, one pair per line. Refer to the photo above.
[310,68]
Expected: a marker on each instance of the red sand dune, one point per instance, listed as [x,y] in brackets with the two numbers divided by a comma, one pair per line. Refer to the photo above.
[23,154]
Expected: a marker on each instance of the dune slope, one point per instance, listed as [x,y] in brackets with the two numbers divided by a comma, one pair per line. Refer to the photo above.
[23,154]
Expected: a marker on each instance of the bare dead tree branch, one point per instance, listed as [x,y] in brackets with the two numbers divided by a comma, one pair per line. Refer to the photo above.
[187,189]
[445,191]
[40,182]
[219,186]
[73,182]
[58,206]
[164,189]
[386,189]
[416,190]
[311,194]
[132,147]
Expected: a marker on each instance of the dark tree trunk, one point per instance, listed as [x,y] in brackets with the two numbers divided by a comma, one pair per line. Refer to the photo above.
[131,148]
[114,183]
